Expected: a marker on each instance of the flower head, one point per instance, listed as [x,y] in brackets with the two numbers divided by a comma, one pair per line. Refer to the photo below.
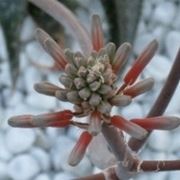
[90,83]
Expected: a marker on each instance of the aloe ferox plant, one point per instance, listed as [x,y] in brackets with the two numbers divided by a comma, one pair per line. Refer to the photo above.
[89,82]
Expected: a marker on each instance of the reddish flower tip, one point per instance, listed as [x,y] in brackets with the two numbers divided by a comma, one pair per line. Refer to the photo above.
[79,149]
[57,119]
[141,62]
[160,122]
[131,128]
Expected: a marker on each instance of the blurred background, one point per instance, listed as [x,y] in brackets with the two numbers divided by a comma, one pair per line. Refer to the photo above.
[41,154]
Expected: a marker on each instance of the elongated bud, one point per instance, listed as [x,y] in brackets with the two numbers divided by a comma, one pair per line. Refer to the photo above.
[95,124]
[131,128]
[140,87]
[160,122]
[120,100]
[101,53]
[97,33]
[25,121]
[79,150]
[82,72]
[121,56]
[141,62]
[52,48]
[66,81]
[110,49]
[85,93]
[56,119]
[61,95]
[69,56]
[46,88]
[73,97]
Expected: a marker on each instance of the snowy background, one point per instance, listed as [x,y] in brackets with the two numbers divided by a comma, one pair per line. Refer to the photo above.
[41,154]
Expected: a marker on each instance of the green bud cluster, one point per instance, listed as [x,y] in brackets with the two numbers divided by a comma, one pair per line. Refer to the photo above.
[89,81]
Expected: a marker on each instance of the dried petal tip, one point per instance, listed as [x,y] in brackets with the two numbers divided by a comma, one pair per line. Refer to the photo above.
[21,121]
[141,62]
[79,150]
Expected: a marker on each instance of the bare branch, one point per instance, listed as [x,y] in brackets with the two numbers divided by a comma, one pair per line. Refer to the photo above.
[159,165]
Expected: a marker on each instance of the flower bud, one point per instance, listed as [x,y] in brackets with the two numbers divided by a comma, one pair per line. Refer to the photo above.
[84,93]
[94,86]
[95,99]
[79,83]
[79,150]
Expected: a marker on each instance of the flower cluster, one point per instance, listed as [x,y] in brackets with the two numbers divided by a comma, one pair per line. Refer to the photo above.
[90,83]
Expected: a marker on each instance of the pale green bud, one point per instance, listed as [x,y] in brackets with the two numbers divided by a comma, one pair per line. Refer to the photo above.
[104,107]
[61,95]
[84,93]
[66,81]
[94,86]
[95,99]
[73,97]
[79,83]
[82,72]
[105,89]
[121,100]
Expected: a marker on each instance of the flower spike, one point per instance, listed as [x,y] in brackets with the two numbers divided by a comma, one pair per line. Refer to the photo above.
[141,62]
[97,33]
[79,150]
[132,129]
[57,119]
[51,47]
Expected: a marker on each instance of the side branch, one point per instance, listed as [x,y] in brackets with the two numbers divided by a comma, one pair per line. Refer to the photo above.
[159,165]
[162,101]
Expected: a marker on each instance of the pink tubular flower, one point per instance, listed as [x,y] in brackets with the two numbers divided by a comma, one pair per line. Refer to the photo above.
[89,82]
